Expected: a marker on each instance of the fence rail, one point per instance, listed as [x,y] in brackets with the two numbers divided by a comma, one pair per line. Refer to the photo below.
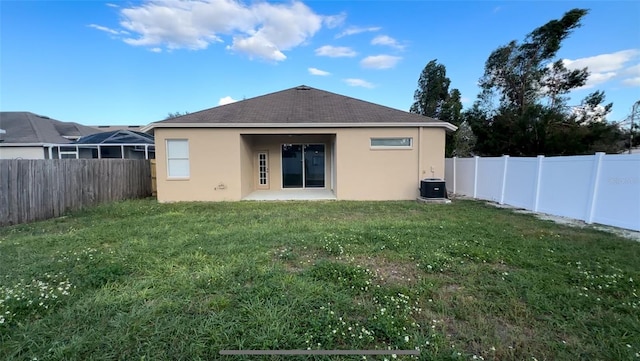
[39,189]
[597,188]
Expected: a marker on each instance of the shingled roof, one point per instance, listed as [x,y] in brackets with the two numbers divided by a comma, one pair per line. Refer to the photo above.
[26,127]
[299,105]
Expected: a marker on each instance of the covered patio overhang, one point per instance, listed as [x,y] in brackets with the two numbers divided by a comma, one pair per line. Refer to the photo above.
[297,165]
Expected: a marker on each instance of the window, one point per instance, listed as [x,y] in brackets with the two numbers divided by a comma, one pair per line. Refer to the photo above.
[177,158]
[386,143]
[68,152]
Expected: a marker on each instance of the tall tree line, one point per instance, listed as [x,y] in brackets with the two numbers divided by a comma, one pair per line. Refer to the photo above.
[434,99]
[522,108]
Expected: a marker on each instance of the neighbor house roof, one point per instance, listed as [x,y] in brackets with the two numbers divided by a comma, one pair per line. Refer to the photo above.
[117,137]
[30,128]
[108,128]
[301,106]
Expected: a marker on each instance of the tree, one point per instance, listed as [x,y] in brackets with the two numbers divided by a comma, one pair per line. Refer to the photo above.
[175,115]
[433,99]
[522,107]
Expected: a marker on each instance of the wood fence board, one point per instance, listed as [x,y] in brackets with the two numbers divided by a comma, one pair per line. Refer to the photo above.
[39,189]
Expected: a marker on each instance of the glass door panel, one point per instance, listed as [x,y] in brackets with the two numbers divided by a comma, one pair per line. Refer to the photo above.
[314,165]
[292,163]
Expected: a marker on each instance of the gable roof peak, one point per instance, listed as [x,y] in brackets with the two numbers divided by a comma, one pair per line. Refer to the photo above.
[301,105]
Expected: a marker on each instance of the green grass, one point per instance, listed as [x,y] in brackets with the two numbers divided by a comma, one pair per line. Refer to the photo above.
[140,280]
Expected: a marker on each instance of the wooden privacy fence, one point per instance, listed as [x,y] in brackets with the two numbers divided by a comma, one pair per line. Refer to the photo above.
[32,190]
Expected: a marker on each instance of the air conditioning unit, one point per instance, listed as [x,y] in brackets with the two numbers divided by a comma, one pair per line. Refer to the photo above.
[433,188]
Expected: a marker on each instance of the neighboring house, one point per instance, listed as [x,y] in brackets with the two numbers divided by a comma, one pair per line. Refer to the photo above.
[297,143]
[116,144]
[31,136]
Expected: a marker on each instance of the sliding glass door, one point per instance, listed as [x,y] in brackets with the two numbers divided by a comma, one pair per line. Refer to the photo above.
[292,166]
[303,165]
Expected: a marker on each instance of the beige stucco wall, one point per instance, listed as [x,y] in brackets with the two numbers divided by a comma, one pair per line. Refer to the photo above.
[246,167]
[223,156]
[22,152]
[432,146]
[364,173]
[214,162]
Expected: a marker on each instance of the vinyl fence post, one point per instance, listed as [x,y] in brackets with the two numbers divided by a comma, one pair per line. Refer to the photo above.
[536,199]
[475,176]
[504,177]
[455,166]
[595,181]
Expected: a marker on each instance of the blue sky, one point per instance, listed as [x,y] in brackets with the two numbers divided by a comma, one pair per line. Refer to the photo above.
[131,62]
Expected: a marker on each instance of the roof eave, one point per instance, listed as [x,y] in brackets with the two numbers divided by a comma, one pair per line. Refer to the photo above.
[447,126]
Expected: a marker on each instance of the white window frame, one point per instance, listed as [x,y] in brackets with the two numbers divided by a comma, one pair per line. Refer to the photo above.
[179,157]
[74,153]
[372,146]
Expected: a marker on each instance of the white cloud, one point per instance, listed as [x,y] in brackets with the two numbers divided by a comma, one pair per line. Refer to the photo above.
[257,46]
[156,50]
[335,51]
[632,76]
[465,100]
[603,62]
[605,67]
[633,70]
[226,100]
[334,21]
[262,29]
[315,71]
[380,61]
[111,5]
[598,78]
[104,28]
[388,41]
[358,82]
[634,82]
[352,30]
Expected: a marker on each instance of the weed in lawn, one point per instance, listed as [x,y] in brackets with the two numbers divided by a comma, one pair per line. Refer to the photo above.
[34,298]
[332,244]
[342,274]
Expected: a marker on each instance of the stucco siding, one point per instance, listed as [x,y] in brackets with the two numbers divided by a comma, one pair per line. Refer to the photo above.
[364,173]
[214,162]
[246,167]
[432,146]
[22,153]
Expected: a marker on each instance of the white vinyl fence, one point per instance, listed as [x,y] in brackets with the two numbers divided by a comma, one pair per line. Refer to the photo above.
[596,188]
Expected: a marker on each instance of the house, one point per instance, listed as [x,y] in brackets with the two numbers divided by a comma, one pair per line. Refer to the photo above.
[27,135]
[30,136]
[122,143]
[299,143]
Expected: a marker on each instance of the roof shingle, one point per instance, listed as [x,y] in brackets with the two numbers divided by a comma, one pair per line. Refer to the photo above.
[301,104]
[26,127]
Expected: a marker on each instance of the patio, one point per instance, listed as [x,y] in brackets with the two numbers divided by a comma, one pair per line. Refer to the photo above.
[291,195]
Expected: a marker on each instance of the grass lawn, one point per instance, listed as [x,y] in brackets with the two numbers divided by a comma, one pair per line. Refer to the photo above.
[140,280]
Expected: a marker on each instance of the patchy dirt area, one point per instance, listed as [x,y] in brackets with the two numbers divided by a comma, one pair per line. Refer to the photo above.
[633,235]
[391,272]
